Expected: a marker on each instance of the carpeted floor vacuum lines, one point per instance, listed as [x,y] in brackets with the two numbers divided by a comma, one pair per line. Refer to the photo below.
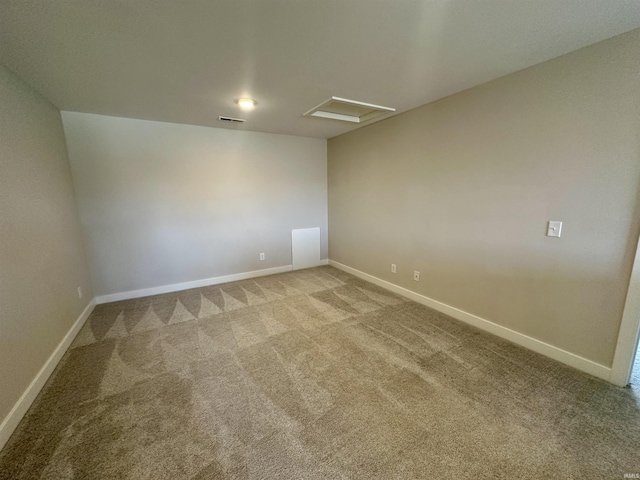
[313,374]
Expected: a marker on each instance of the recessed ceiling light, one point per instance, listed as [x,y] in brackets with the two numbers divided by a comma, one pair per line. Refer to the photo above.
[246,103]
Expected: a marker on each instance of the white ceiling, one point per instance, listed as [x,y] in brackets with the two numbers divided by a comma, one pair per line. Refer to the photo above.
[186,61]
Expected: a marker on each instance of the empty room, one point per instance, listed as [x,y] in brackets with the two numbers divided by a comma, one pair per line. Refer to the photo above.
[319,239]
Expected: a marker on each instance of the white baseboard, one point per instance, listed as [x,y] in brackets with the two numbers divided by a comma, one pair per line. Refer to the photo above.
[568,358]
[176,287]
[11,421]
[324,261]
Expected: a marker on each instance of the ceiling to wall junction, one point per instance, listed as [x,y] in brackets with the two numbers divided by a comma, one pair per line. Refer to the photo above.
[189,62]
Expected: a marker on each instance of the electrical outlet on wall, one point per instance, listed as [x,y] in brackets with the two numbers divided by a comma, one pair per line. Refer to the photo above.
[262,256]
[393,268]
[416,276]
[79,292]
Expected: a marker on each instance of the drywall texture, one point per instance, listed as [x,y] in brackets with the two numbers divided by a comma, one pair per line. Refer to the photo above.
[461,190]
[163,203]
[42,257]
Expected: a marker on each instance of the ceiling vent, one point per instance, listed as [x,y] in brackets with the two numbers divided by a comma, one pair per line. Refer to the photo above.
[231,119]
[337,108]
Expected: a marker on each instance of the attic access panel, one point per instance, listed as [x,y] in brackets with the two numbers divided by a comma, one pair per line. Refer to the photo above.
[337,108]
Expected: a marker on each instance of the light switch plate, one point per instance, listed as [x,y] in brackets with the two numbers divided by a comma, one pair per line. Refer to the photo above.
[554,228]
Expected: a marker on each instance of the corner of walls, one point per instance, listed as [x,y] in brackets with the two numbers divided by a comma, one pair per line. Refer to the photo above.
[42,255]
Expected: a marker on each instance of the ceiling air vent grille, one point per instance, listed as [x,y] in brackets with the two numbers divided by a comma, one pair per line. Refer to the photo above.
[231,119]
[346,110]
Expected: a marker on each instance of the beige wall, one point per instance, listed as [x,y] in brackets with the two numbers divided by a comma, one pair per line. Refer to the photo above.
[461,190]
[163,203]
[42,258]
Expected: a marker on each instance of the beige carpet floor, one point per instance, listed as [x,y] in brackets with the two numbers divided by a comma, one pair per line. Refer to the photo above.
[313,374]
